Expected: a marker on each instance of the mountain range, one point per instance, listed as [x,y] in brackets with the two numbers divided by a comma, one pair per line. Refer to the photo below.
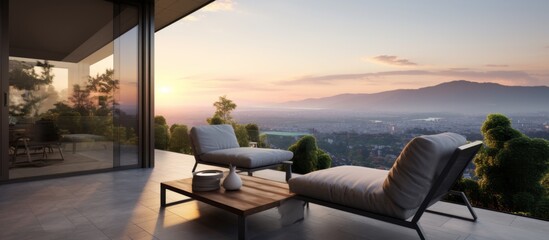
[451,97]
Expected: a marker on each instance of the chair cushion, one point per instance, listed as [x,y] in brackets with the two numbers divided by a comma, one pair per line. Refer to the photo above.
[414,171]
[352,186]
[247,157]
[209,138]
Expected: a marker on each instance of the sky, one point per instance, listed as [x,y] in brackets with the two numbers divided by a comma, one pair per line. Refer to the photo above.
[259,52]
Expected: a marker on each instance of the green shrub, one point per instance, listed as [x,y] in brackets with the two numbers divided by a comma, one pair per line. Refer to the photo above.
[510,166]
[241,135]
[179,140]
[161,137]
[542,208]
[324,160]
[523,202]
[308,157]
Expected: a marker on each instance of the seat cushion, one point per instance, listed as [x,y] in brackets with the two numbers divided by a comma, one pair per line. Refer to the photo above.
[353,186]
[247,157]
[213,137]
[414,171]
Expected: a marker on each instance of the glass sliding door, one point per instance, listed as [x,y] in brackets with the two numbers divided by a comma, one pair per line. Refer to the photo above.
[126,63]
[73,83]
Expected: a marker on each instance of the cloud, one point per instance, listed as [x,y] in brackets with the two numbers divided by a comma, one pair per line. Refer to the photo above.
[497,65]
[220,5]
[229,84]
[393,60]
[190,18]
[373,77]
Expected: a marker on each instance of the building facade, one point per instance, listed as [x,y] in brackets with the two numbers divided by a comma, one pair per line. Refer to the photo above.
[77,84]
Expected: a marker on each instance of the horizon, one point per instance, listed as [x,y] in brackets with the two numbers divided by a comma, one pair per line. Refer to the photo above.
[261,53]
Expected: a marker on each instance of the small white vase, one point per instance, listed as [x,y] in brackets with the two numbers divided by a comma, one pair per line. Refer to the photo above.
[232,181]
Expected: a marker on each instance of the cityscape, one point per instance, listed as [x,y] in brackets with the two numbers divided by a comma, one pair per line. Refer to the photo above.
[366,139]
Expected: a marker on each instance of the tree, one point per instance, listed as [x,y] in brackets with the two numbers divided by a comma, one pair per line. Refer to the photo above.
[253,134]
[161,133]
[223,109]
[160,120]
[24,80]
[241,135]
[81,102]
[510,166]
[215,120]
[308,157]
[161,137]
[179,140]
[104,85]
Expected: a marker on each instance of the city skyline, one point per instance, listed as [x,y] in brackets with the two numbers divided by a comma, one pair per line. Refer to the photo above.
[261,52]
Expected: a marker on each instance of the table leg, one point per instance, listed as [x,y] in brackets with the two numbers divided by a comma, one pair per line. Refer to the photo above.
[241,227]
[162,195]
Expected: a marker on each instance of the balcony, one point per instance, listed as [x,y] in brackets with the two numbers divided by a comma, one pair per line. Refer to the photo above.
[126,205]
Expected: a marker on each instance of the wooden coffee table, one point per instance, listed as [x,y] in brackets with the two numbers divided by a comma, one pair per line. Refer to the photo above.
[256,195]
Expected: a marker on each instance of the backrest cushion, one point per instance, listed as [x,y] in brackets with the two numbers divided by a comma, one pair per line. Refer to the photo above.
[414,171]
[213,137]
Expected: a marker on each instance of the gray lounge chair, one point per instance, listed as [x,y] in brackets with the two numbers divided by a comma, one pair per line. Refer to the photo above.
[423,174]
[217,145]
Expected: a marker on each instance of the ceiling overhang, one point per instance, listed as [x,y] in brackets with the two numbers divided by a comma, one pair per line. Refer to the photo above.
[169,11]
[69,31]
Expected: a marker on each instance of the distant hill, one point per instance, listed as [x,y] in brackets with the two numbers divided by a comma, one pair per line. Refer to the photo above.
[452,97]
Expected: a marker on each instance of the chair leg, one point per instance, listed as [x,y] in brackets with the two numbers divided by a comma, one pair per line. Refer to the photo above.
[419,231]
[60,151]
[194,168]
[250,173]
[467,204]
[27,150]
[288,167]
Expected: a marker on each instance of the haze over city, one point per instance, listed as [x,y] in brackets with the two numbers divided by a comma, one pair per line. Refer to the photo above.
[263,52]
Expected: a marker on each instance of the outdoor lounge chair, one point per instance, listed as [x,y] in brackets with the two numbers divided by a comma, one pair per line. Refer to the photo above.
[217,145]
[423,174]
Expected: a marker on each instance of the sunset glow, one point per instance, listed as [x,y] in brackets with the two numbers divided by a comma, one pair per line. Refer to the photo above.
[263,52]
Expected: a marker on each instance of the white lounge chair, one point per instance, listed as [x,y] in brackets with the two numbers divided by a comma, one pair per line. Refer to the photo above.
[422,175]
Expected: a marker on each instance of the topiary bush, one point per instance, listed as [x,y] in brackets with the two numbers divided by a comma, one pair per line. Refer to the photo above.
[308,157]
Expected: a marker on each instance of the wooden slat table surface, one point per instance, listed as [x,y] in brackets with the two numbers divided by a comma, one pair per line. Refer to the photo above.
[255,195]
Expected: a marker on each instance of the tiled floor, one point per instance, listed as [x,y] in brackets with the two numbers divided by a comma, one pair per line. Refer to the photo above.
[88,156]
[125,205]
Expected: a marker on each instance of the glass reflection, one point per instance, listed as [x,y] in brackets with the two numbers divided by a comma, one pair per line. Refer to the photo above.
[77,112]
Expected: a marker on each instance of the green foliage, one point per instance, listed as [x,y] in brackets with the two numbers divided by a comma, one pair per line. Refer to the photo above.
[161,137]
[545,183]
[523,202]
[308,157]
[324,160]
[24,80]
[510,166]
[241,135]
[542,208]
[215,120]
[223,109]
[160,120]
[179,140]
[470,188]
[253,132]
[253,135]
[69,121]
[133,139]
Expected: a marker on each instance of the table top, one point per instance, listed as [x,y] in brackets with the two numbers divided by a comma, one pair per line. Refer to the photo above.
[255,195]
